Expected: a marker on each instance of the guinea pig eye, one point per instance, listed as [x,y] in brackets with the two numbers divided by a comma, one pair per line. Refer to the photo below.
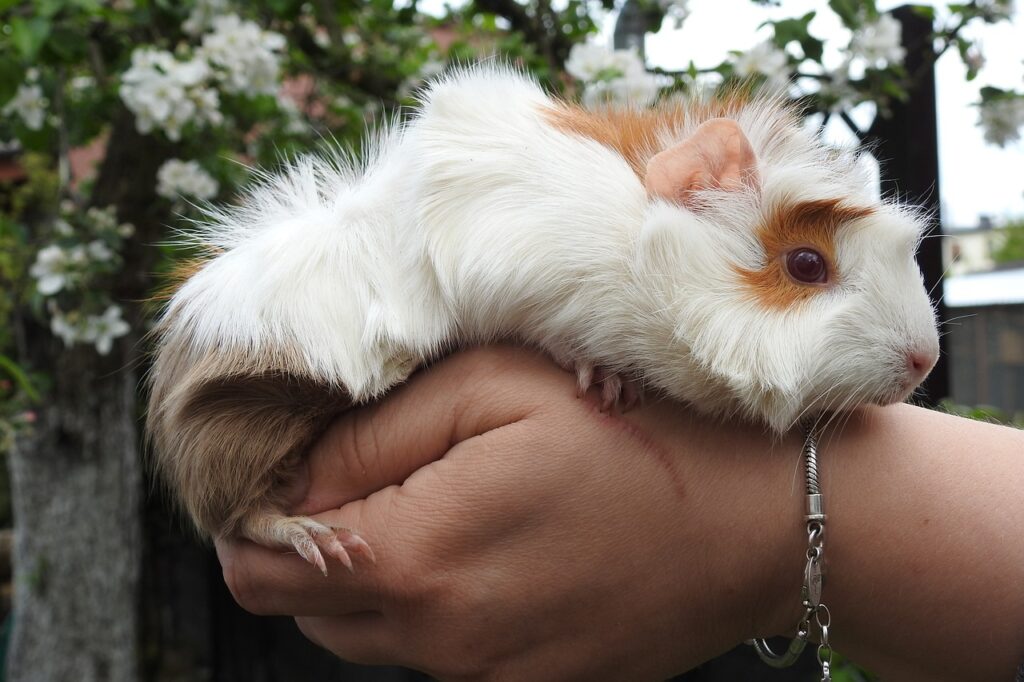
[806,265]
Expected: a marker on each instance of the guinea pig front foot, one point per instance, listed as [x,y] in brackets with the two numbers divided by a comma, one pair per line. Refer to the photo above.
[616,392]
[311,539]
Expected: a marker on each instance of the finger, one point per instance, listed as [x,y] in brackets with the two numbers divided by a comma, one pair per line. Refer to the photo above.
[371,448]
[268,582]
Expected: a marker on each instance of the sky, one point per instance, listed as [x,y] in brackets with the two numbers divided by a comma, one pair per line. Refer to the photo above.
[975,178]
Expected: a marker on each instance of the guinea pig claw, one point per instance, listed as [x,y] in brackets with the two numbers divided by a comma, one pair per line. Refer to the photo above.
[584,378]
[336,549]
[355,544]
[308,550]
[611,391]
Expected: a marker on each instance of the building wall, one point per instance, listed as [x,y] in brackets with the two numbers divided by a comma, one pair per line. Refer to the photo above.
[987,356]
[971,251]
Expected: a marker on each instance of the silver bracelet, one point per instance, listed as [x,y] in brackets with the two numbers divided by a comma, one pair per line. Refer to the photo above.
[814,570]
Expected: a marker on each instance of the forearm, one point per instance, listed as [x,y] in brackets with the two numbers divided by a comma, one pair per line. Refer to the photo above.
[926,544]
[925,535]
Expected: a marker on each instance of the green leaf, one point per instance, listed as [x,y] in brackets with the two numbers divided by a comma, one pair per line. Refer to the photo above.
[19,376]
[813,48]
[67,44]
[28,35]
[848,11]
[991,93]
[926,11]
[47,8]
[788,30]
[796,30]
[11,75]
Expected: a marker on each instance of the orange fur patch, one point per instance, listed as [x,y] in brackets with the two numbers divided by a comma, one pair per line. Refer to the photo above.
[181,272]
[806,223]
[636,133]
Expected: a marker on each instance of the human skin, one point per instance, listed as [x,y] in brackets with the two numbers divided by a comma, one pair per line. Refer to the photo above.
[522,534]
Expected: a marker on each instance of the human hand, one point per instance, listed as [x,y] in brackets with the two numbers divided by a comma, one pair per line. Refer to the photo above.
[521,533]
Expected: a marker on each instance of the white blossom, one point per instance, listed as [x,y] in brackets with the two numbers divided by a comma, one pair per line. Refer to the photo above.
[246,58]
[103,329]
[974,58]
[50,269]
[996,10]
[838,90]
[29,104]
[586,61]
[63,228]
[765,59]
[202,15]
[321,37]
[99,251]
[879,42]
[63,327]
[177,178]
[102,218]
[77,255]
[80,84]
[1001,119]
[611,75]
[641,91]
[168,94]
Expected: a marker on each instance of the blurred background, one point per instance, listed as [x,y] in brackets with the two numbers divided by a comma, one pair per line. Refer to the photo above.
[118,118]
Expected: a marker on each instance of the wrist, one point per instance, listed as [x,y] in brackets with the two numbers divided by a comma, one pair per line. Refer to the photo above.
[755,527]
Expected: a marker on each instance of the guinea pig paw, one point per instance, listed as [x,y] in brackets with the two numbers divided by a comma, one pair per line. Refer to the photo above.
[617,392]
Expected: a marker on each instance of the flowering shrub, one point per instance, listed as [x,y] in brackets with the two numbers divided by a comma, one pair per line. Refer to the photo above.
[168,94]
[878,42]
[791,61]
[179,179]
[69,271]
[1001,116]
[767,60]
[29,104]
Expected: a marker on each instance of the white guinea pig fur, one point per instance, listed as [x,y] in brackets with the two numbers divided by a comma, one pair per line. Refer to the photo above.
[498,212]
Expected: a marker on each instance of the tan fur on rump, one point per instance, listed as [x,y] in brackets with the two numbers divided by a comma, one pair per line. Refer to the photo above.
[230,431]
[804,223]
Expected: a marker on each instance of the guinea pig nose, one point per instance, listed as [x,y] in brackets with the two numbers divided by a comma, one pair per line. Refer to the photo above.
[920,362]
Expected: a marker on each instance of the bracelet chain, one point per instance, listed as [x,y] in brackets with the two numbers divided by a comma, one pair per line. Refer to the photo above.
[810,593]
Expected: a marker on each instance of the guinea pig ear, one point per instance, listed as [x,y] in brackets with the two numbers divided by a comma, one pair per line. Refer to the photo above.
[717,156]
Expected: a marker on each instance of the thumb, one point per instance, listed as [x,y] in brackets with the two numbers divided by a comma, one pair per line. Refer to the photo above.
[370,448]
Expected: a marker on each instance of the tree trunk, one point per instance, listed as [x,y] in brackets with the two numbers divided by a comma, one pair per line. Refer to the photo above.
[76,482]
[77,478]
[906,145]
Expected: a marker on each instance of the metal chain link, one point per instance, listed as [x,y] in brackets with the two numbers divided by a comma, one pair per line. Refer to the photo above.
[810,592]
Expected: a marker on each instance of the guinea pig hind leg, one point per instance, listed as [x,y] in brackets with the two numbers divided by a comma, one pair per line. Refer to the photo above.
[311,539]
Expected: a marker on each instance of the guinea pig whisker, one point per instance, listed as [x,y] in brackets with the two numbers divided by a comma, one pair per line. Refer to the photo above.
[940,280]
[957,318]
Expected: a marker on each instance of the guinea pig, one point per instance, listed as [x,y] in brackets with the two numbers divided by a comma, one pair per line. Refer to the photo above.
[715,252]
